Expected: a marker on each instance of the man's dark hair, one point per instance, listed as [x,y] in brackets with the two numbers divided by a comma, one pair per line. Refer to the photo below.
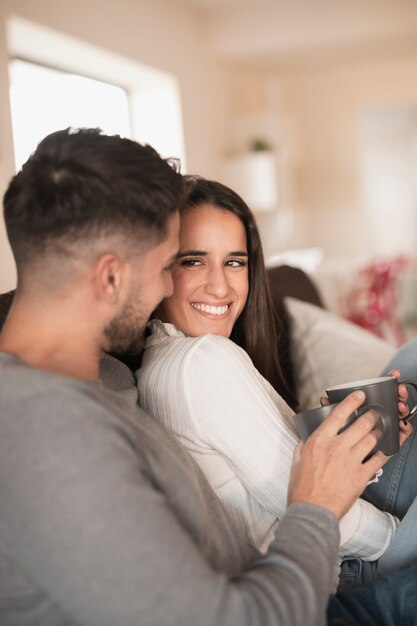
[80,184]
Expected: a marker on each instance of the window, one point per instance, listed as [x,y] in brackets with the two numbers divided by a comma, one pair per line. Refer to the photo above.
[50,89]
[44,100]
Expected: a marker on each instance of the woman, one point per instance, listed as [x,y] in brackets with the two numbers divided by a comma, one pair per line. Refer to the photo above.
[220,397]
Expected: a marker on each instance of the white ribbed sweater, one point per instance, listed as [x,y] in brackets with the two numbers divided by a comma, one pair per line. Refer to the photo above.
[207,392]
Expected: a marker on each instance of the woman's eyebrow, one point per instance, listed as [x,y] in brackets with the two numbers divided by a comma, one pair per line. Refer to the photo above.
[239,253]
[191,253]
[242,253]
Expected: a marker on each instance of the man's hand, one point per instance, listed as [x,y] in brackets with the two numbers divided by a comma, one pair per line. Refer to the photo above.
[328,470]
[403,409]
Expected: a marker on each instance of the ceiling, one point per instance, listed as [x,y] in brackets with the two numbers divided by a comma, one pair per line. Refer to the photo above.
[265,33]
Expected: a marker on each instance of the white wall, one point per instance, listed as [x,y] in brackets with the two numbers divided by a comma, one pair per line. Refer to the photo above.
[317,109]
[7,268]
[167,37]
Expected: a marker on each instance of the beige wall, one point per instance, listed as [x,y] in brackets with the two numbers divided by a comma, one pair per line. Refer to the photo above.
[316,109]
[311,112]
[156,33]
[7,269]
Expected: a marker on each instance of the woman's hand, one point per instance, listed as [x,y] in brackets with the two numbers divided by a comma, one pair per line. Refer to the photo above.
[403,409]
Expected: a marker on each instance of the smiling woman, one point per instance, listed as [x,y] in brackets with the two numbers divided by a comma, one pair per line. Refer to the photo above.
[210,275]
[233,272]
[206,373]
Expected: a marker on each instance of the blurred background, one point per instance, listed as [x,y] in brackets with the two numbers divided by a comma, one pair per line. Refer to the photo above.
[308,108]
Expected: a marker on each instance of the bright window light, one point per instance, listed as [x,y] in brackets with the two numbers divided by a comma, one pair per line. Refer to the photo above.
[44,100]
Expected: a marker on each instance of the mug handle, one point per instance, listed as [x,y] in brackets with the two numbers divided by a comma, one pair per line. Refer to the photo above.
[413,411]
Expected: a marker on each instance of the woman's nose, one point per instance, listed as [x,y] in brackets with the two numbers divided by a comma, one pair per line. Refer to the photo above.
[217,283]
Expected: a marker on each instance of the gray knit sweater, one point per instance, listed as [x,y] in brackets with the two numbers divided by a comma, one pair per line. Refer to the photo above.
[106,521]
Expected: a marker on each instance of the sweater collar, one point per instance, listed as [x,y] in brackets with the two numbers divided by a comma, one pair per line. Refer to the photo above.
[159,331]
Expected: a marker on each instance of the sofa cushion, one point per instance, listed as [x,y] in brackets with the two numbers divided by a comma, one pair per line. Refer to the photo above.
[328,350]
[288,281]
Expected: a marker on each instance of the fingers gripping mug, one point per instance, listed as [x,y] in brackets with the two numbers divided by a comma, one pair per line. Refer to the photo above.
[308,421]
[380,392]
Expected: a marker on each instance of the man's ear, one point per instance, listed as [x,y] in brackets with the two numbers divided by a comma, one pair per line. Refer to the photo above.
[109,276]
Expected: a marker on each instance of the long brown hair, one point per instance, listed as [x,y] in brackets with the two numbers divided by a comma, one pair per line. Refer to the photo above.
[257,328]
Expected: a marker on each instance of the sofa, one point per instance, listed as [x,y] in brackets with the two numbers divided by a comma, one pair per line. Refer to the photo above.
[318,349]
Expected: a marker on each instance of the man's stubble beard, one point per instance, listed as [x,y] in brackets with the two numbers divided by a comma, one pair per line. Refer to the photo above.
[126,332]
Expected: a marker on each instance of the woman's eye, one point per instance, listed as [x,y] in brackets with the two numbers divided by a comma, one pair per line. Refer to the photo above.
[190,262]
[236,263]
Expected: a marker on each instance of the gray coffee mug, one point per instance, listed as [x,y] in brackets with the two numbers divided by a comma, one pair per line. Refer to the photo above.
[380,391]
[307,422]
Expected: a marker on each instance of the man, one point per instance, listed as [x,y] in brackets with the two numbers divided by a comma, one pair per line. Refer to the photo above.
[104,519]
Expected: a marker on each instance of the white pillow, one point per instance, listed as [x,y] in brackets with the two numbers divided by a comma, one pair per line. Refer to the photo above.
[328,350]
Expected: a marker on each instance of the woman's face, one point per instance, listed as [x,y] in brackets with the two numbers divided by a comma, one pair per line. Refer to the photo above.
[210,275]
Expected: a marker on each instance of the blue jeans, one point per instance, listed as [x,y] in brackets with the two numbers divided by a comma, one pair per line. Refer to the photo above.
[389,601]
[396,493]
[397,487]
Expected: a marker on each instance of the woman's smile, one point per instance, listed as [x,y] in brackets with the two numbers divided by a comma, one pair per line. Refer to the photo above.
[211,309]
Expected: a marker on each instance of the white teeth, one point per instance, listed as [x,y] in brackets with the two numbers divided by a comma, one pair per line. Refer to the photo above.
[213,310]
